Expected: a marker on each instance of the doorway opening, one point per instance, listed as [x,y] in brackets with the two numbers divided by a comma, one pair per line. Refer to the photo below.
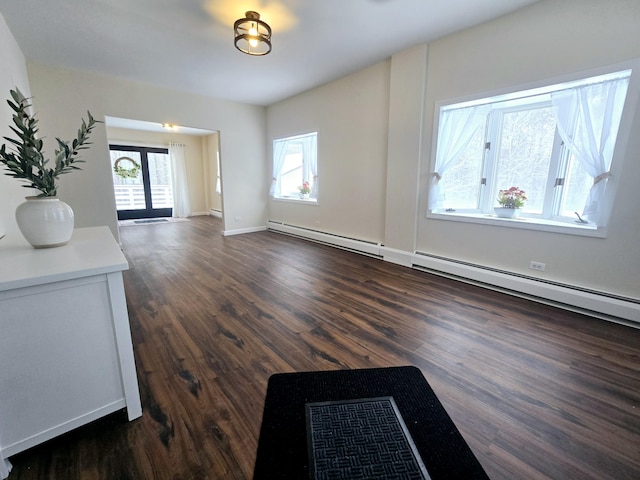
[141,181]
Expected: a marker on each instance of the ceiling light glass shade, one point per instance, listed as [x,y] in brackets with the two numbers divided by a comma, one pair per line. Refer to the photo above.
[252,35]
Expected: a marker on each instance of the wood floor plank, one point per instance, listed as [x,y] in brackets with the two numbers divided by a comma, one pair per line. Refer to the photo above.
[538,392]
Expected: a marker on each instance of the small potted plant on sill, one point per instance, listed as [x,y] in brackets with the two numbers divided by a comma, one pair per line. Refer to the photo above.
[511,201]
[305,190]
[44,220]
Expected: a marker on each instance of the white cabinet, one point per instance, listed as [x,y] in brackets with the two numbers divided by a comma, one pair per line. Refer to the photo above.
[66,356]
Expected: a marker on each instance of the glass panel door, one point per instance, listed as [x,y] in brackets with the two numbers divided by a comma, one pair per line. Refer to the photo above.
[141,181]
[160,180]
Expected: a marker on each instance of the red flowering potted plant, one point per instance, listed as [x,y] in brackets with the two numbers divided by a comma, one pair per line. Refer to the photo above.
[305,190]
[511,201]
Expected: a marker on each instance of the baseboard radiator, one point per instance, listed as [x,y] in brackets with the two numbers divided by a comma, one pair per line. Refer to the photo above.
[346,243]
[603,305]
[598,304]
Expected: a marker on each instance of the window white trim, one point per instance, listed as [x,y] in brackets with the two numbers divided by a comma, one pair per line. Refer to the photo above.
[523,223]
[538,87]
[307,201]
[308,145]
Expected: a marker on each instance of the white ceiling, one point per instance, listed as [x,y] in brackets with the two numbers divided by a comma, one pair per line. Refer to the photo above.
[188,44]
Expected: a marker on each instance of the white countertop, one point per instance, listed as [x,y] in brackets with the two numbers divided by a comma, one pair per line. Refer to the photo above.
[91,251]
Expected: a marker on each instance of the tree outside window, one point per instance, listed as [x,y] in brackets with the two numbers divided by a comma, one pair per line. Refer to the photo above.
[555,143]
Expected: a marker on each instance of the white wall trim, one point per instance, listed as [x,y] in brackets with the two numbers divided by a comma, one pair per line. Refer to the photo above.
[346,243]
[240,231]
[603,305]
[399,257]
[590,302]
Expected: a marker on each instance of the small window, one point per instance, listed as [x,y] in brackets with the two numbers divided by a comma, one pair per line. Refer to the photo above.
[555,143]
[295,167]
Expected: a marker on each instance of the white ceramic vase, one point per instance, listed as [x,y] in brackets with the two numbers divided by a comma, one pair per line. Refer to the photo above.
[504,212]
[45,221]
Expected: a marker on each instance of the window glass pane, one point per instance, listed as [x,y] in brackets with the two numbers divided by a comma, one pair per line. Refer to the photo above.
[524,154]
[576,189]
[128,188]
[294,165]
[461,184]
[523,136]
[160,180]
[291,177]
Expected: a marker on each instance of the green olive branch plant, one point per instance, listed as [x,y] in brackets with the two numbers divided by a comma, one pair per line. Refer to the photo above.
[27,162]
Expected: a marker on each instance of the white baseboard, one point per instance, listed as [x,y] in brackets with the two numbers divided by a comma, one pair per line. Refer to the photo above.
[590,302]
[346,243]
[240,231]
[399,257]
[215,213]
[598,304]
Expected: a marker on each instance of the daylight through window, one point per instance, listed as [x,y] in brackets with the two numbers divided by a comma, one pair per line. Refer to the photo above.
[295,167]
[556,143]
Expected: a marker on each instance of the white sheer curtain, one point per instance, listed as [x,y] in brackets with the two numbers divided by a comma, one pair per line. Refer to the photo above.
[455,131]
[310,161]
[218,178]
[595,111]
[181,204]
[279,150]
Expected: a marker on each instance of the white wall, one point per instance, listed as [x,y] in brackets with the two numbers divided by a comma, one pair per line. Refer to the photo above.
[351,118]
[12,74]
[62,96]
[548,39]
[545,40]
[406,110]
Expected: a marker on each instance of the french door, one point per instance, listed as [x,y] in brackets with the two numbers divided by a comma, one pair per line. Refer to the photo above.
[141,181]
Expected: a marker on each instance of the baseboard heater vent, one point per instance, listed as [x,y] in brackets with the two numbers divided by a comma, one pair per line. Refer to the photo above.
[603,305]
[616,308]
[346,243]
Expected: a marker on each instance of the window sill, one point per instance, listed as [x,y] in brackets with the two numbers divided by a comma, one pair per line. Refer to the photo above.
[526,223]
[312,201]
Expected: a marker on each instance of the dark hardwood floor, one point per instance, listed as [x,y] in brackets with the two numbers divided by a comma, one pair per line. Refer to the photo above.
[536,391]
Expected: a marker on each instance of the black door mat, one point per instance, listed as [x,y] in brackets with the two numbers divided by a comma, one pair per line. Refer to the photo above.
[361,439]
[282,448]
[151,220]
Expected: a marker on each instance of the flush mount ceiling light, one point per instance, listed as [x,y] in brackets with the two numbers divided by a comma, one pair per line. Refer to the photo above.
[252,35]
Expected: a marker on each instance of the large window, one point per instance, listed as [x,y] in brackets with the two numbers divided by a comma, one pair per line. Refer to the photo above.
[295,168]
[556,143]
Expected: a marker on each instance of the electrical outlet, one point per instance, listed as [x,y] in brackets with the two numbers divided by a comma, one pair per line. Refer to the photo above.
[236,219]
[539,266]
[317,224]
